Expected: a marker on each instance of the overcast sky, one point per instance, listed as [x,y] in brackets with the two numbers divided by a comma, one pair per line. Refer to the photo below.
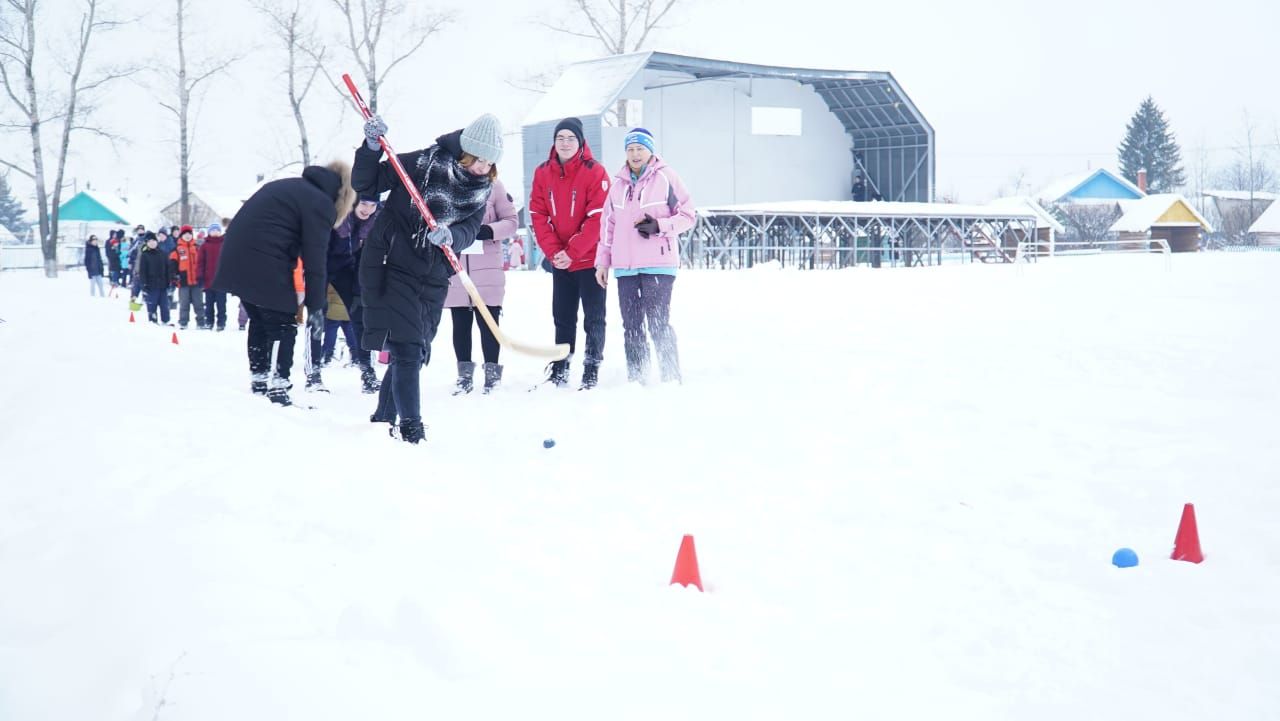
[1011,88]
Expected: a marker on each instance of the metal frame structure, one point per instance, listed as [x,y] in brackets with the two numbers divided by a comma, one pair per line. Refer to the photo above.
[859,234]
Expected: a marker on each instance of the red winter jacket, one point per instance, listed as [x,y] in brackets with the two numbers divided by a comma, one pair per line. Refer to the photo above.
[565,205]
[207,259]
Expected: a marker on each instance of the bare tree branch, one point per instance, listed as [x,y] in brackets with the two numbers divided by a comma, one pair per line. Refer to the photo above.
[18,168]
[366,42]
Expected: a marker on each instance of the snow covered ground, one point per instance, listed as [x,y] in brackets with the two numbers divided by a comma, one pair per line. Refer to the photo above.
[905,486]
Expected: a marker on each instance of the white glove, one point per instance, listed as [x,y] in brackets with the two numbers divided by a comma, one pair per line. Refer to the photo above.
[440,236]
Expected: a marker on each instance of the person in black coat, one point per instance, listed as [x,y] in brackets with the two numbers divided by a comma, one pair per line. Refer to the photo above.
[404,275]
[112,251]
[345,245]
[284,221]
[153,277]
[93,266]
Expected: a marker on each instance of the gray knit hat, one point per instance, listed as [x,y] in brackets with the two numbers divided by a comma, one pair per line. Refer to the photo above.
[483,138]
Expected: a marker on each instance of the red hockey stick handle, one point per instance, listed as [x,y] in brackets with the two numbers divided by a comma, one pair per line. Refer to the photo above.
[418,202]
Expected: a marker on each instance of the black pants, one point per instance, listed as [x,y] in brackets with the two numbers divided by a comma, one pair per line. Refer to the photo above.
[569,289]
[157,300]
[212,299]
[400,394]
[266,328]
[344,283]
[646,299]
[462,333]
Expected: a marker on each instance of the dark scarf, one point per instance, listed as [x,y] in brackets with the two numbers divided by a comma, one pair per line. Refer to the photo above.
[452,192]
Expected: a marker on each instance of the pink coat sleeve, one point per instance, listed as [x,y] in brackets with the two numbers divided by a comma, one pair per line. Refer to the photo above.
[504,211]
[682,214]
[604,251]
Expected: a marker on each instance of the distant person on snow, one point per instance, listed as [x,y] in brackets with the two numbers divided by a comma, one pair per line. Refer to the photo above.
[283,221]
[215,301]
[404,274]
[185,256]
[647,210]
[93,266]
[346,244]
[153,277]
[568,193]
[112,251]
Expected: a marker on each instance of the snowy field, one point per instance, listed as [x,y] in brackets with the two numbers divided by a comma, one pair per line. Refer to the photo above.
[905,486]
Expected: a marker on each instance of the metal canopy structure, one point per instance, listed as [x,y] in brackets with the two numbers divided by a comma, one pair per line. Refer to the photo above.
[893,144]
[845,234]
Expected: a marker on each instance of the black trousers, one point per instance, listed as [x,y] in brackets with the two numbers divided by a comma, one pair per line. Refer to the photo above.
[215,299]
[646,300]
[462,333]
[267,328]
[571,289]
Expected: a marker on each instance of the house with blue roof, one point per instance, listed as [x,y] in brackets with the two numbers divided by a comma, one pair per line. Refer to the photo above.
[1093,186]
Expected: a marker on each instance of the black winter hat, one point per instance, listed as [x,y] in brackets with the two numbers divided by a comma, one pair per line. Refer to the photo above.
[573,125]
[149,236]
[368,197]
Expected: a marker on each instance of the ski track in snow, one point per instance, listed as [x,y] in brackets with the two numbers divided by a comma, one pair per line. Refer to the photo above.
[905,487]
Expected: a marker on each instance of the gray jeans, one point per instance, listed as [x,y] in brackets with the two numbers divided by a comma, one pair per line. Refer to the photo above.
[96,287]
[188,297]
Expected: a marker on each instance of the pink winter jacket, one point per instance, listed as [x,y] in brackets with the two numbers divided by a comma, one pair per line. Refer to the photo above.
[486,270]
[658,193]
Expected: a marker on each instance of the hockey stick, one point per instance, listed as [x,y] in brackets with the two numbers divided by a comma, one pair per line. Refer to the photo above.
[556,352]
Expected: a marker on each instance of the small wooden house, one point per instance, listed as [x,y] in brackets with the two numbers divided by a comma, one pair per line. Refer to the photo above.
[1166,215]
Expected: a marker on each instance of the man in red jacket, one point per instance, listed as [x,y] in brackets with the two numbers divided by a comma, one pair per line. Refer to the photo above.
[569,191]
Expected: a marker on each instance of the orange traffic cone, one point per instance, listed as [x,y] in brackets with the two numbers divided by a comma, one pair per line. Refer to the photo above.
[175,338]
[131,320]
[1186,547]
[686,571]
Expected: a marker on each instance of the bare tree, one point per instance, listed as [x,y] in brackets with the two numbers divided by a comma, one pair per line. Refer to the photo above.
[186,80]
[1251,173]
[1087,223]
[40,104]
[377,54]
[620,26]
[306,54]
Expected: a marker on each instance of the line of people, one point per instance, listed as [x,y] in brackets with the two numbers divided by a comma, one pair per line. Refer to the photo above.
[390,272]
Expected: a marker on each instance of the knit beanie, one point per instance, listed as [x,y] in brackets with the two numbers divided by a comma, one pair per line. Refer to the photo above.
[574,126]
[483,138]
[370,197]
[215,228]
[640,136]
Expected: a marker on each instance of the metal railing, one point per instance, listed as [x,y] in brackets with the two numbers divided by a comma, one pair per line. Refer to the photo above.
[1150,245]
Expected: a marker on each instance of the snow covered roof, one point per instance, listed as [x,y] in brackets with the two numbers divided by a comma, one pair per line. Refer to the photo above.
[1064,187]
[1240,195]
[1268,222]
[587,88]
[870,105]
[1164,209]
[1046,219]
[873,208]
[132,213]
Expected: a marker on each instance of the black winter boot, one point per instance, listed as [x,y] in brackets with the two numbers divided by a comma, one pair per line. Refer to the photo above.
[258,385]
[412,431]
[278,391]
[466,378]
[314,383]
[590,376]
[492,376]
[369,380]
[558,372]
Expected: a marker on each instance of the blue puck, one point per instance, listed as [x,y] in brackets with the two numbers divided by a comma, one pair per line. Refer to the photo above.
[548,443]
[1124,558]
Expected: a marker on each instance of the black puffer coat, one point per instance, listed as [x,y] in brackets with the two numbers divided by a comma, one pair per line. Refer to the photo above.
[405,285]
[286,219]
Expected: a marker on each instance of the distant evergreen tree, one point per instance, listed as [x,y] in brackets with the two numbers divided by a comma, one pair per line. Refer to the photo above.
[12,213]
[1149,144]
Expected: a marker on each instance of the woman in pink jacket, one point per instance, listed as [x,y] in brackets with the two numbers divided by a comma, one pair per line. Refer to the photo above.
[486,272]
[647,210]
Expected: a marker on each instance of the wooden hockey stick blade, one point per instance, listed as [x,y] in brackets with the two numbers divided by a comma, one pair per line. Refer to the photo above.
[559,351]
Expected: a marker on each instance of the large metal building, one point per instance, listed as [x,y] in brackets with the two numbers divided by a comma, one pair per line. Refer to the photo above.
[740,133]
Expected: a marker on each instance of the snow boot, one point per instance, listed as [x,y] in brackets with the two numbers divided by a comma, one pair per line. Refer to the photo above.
[590,376]
[466,378]
[410,430]
[258,385]
[558,372]
[492,377]
[278,391]
[369,380]
[314,383]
